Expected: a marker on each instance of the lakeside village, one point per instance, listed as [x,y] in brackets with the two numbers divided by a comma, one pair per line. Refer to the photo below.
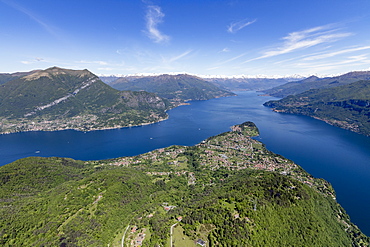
[234,150]
[84,122]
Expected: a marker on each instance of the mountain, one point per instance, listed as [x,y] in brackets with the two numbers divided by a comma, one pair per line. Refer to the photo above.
[246,84]
[228,190]
[56,98]
[109,79]
[176,88]
[346,106]
[313,82]
[5,77]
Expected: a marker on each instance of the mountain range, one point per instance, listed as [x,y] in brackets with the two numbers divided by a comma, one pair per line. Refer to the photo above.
[314,82]
[57,98]
[176,88]
[230,83]
[247,84]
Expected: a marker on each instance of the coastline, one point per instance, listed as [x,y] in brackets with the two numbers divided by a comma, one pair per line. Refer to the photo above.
[90,118]
[86,129]
[337,123]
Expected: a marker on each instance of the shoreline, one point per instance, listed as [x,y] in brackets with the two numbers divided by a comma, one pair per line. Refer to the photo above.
[340,124]
[86,130]
[104,128]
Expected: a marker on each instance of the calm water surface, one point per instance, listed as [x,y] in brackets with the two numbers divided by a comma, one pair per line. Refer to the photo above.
[339,156]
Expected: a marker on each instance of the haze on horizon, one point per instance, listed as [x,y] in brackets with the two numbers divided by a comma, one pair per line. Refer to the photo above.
[209,37]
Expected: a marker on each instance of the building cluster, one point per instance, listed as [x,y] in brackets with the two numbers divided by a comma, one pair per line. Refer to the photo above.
[232,150]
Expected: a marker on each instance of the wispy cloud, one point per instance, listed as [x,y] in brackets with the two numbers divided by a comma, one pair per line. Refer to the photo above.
[305,39]
[231,59]
[359,59]
[154,16]
[220,64]
[49,28]
[92,62]
[237,26]
[213,68]
[175,58]
[226,49]
[332,54]
[106,69]
[35,60]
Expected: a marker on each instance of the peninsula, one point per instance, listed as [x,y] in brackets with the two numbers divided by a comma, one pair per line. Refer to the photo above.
[228,190]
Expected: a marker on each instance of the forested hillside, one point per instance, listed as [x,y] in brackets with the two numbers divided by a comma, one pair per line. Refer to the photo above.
[346,106]
[56,98]
[177,88]
[5,77]
[226,191]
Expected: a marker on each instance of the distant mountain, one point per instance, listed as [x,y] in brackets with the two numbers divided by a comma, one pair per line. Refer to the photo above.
[346,106]
[247,84]
[176,88]
[108,79]
[58,98]
[229,190]
[313,82]
[5,77]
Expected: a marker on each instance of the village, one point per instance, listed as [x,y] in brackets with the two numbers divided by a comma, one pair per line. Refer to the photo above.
[233,150]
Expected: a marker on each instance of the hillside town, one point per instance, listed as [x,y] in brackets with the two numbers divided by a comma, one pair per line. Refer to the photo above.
[233,150]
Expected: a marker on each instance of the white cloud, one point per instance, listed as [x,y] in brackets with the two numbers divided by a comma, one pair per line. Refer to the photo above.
[37,59]
[304,39]
[345,64]
[175,58]
[154,16]
[332,54]
[92,62]
[236,26]
[352,59]
[233,58]
[225,50]
[213,68]
[106,69]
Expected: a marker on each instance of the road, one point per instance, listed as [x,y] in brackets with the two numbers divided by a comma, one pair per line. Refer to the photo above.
[123,237]
[171,231]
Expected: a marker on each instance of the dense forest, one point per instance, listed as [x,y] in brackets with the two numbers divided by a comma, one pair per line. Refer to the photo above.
[346,106]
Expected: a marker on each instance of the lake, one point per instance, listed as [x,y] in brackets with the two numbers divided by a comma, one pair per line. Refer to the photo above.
[339,156]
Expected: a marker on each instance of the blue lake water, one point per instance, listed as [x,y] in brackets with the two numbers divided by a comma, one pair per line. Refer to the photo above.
[337,155]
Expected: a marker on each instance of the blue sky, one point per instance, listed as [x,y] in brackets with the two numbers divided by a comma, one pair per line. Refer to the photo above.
[208,37]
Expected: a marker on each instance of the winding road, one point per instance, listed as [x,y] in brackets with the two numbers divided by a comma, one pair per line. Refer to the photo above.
[123,237]
[171,231]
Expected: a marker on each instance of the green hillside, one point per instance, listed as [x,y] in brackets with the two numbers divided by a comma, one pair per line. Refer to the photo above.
[346,106]
[5,77]
[226,191]
[177,88]
[58,98]
[313,82]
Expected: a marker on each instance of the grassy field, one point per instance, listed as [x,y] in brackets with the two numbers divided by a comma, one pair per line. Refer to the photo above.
[180,239]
